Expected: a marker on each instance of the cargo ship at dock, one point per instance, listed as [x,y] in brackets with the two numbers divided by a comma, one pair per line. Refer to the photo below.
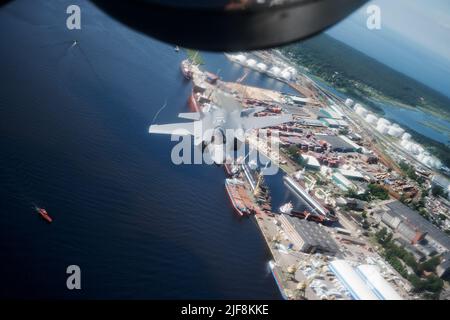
[288,209]
[230,169]
[185,67]
[239,197]
[324,215]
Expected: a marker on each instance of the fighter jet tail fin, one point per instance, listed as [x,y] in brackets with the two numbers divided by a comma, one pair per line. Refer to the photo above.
[190,115]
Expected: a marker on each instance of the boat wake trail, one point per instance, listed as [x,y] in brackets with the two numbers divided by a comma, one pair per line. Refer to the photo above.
[160,109]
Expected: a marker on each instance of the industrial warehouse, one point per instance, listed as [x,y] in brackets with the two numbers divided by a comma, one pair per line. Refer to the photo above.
[363,282]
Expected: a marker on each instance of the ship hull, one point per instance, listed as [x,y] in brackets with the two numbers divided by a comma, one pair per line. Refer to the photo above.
[184,66]
[231,192]
[193,104]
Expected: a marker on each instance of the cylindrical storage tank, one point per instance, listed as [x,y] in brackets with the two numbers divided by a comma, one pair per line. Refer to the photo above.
[251,63]
[382,128]
[436,163]
[241,58]
[406,136]
[383,121]
[275,71]
[420,157]
[261,66]
[409,146]
[349,102]
[361,111]
[293,71]
[426,160]
[370,118]
[420,148]
[286,75]
[415,148]
[395,131]
[404,143]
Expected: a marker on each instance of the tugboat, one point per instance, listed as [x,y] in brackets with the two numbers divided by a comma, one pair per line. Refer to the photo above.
[43,213]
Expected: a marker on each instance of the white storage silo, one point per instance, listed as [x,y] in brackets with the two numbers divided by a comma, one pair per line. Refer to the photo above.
[420,157]
[370,118]
[261,67]
[361,111]
[275,71]
[382,128]
[251,63]
[349,102]
[406,136]
[293,71]
[383,121]
[415,148]
[241,58]
[286,75]
[395,130]
[404,143]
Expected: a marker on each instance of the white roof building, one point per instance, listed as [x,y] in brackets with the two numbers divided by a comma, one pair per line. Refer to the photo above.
[352,281]
[379,285]
[364,282]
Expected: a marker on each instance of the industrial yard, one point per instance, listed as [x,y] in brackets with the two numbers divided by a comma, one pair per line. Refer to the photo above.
[376,222]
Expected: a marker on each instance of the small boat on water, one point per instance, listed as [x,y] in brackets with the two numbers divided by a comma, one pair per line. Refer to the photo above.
[43,213]
[177,49]
[286,208]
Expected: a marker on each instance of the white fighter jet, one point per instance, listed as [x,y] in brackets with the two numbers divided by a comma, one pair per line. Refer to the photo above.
[219,123]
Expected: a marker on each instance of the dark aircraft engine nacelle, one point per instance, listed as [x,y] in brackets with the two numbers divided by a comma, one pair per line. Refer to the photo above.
[216,146]
[218,137]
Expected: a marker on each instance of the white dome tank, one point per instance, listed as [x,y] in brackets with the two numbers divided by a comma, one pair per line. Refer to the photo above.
[382,128]
[275,71]
[383,121]
[370,118]
[286,75]
[241,58]
[395,130]
[406,136]
[261,67]
[251,63]
[349,103]
[360,110]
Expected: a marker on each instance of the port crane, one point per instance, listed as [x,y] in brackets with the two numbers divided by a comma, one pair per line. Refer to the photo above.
[260,179]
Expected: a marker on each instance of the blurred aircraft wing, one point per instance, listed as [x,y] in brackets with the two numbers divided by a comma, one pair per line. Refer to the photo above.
[190,115]
[179,129]
[263,122]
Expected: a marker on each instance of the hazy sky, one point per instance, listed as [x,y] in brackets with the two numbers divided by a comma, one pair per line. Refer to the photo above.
[414,38]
